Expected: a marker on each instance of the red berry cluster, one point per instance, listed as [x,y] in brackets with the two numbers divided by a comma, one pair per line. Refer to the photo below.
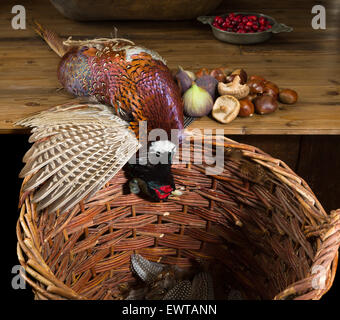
[242,23]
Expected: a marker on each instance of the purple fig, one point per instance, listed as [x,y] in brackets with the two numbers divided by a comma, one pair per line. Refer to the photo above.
[208,83]
[183,80]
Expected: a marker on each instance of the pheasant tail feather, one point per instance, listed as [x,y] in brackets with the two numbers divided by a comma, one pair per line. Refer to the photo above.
[51,38]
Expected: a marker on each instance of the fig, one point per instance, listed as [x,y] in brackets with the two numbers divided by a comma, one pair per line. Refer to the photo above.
[197,101]
[208,83]
[184,81]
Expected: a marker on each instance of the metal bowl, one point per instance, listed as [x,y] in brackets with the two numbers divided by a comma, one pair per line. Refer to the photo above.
[245,38]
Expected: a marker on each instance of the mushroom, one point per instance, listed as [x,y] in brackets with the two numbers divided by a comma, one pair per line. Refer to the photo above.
[226,109]
[234,88]
[238,72]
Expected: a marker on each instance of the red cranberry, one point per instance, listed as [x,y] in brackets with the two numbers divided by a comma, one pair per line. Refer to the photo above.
[262,20]
[242,23]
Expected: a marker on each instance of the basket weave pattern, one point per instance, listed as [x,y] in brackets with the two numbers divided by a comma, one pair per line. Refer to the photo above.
[258,222]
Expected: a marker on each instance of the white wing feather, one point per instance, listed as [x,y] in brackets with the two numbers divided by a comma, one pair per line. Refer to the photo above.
[76,150]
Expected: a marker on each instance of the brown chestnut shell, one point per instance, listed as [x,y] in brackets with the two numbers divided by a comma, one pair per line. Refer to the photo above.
[256,86]
[202,72]
[247,108]
[288,96]
[265,104]
[271,89]
[219,74]
[257,78]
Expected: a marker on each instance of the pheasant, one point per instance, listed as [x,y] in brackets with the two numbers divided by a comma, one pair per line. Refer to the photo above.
[79,147]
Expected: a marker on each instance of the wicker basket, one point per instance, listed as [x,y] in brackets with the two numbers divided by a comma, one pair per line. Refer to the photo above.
[258,222]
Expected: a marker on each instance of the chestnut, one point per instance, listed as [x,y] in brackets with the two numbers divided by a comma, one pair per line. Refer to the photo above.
[202,72]
[246,108]
[288,96]
[251,97]
[265,104]
[271,89]
[256,86]
[219,74]
[238,72]
[257,78]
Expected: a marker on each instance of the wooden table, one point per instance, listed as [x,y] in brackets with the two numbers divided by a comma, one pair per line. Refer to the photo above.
[306,60]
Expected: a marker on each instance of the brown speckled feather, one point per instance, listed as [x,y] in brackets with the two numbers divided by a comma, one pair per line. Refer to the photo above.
[76,150]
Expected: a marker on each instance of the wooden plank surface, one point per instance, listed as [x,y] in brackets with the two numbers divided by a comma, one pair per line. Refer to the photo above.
[306,60]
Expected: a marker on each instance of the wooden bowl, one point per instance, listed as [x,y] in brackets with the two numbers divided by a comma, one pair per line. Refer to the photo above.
[257,224]
[84,10]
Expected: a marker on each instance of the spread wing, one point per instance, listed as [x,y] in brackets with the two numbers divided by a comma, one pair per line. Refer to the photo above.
[76,150]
